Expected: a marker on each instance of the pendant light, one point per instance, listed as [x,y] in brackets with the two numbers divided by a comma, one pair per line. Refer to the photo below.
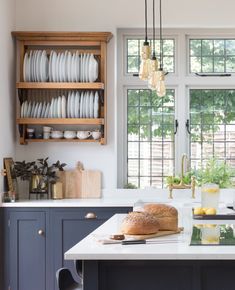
[160,87]
[153,75]
[146,51]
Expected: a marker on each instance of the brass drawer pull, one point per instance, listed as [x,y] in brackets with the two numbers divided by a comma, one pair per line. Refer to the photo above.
[90,215]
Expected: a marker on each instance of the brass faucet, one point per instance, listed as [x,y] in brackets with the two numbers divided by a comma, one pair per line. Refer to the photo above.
[182,185]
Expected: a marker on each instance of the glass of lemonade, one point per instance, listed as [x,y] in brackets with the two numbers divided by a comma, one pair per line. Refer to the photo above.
[210,234]
[210,195]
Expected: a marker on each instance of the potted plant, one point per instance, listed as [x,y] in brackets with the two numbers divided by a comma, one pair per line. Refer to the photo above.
[39,173]
[216,174]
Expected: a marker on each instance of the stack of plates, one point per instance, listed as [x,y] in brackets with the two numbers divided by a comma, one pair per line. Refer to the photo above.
[84,105]
[77,105]
[35,67]
[72,67]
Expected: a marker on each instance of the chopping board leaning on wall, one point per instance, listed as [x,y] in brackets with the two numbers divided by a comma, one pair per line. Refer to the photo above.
[80,183]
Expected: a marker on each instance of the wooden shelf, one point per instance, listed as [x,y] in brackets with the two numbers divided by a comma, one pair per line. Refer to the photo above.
[59,121]
[51,86]
[62,140]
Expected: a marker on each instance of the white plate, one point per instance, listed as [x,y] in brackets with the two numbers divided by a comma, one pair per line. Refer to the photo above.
[59,111]
[50,66]
[88,105]
[39,110]
[69,62]
[77,66]
[68,105]
[61,67]
[76,99]
[44,67]
[72,103]
[55,108]
[96,105]
[35,110]
[25,67]
[84,105]
[66,66]
[51,108]
[81,67]
[81,105]
[31,66]
[43,110]
[84,67]
[87,67]
[38,66]
[47,112]
[57,72]
[32,110]
[53,66]
[91,105]
[63,107]
[25,109]
[28,110]
[93,69]
[22,111]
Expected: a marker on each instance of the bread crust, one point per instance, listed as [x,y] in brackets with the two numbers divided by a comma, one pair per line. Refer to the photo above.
[161,210]
[139,223]
[167,216]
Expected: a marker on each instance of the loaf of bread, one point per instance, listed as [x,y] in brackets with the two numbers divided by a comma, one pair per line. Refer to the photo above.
[166,215]
[139,223]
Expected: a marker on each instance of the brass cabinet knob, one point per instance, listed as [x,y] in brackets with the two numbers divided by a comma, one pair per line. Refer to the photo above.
[90,215]
[41,232]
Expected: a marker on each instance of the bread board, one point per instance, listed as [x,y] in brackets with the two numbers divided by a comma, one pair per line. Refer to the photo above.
[156,235]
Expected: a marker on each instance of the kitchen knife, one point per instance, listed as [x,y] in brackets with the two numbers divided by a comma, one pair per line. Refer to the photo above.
[137,242]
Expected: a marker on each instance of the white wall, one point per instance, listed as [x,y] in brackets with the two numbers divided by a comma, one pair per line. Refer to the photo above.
[108,15]
[7,83]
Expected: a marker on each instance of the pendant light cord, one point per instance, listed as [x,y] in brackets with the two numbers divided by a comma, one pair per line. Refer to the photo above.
[154,48]
[161,40]
[146,22]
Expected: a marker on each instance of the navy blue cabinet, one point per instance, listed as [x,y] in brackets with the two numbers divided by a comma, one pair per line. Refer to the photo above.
[36,239]
[28,250]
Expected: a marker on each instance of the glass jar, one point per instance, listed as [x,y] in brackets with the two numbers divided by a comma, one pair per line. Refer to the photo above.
[210,194]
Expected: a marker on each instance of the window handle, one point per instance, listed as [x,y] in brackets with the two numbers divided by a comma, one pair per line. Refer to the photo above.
[213,74]
[188,126]
[176,126]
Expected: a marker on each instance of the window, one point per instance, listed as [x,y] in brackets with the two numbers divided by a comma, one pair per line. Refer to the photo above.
[151,146]
[212,118]
[134,47]
[150,137]
[212,55]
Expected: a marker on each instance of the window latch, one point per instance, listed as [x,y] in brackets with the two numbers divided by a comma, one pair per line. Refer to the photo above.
[176,126]
[188,126]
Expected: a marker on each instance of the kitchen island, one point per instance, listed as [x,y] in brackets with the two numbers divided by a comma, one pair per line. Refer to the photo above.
[166,266]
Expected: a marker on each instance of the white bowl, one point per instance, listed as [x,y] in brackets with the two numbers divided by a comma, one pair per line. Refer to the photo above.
[56,134]
[69,134]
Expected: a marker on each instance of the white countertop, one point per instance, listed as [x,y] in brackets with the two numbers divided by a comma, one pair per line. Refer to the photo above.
[90,249]
[125,198]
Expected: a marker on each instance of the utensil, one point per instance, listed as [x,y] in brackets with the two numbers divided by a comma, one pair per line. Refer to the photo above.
[139,242]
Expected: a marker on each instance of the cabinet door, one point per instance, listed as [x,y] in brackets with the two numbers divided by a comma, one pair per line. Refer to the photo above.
[27,251]
[71,226]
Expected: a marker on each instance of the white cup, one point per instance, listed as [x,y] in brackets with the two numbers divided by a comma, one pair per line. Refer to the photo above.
[46,135]
[83,134]
[96,135]
[47,129]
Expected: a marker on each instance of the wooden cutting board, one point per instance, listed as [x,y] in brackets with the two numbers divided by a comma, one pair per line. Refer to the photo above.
[159,234]
[91,184]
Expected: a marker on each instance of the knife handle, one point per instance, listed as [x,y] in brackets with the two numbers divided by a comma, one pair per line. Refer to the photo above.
[134,242]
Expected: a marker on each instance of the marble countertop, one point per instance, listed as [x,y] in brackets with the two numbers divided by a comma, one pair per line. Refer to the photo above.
[90,249]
